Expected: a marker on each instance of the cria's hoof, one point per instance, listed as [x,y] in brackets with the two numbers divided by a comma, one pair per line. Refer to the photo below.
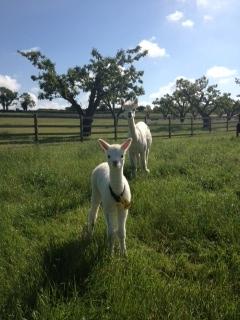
[147,170]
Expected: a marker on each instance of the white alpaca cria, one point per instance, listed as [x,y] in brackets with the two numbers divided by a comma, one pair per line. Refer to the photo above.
[110,187]
[142,140]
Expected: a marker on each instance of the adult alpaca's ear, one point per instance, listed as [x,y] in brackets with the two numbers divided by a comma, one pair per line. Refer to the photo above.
[126,144]
[103,144]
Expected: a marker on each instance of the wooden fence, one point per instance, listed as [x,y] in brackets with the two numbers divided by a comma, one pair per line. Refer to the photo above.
[59,126]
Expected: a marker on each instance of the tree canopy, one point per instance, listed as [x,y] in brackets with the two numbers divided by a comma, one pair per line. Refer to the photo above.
[26,101]
[7,97]
[106,79]
[194,98]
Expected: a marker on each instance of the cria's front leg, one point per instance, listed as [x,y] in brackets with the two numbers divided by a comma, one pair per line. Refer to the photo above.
[111,233]
[122,218]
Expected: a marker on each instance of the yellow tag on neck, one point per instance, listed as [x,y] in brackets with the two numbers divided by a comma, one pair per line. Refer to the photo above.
[124,203]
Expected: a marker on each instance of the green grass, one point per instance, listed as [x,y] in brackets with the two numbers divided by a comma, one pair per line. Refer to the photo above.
[182,235]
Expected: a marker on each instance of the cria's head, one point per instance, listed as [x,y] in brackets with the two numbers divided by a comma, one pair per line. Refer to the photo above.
[115,152]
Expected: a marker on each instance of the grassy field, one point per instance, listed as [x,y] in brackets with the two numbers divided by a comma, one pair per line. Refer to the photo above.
[183,234]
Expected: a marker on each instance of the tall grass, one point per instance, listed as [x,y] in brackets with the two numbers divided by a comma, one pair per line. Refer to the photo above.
[182,235]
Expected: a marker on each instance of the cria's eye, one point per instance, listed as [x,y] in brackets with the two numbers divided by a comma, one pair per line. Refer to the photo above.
[122,156]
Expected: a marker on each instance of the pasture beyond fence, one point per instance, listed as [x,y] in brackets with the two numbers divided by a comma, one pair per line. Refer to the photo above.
[61,126]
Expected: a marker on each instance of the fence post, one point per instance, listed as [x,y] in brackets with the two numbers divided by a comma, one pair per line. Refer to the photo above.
[115,127]
[238,126]
[191,126]
[227,124]
[169,127]
[35,127]
[81,127]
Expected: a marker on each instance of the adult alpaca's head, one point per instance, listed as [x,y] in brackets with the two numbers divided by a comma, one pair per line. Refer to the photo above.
[129,108]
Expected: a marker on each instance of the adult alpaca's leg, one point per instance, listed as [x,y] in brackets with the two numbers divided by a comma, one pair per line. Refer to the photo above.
[143,156]
[147,155]
[133,161]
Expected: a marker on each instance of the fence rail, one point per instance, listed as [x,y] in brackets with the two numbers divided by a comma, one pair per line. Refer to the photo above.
[58,126]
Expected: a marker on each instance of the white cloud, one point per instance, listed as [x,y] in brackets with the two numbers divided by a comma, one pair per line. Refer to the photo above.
[168,88]
[34,97]
[46,104]
[225,81]
[207,18]
[175,16]
[218,72]
[188,23]
[35,90]
[56,104]
[8,82]
[30,49]
[213,4]
[154,51]
[144,103]
[202,3]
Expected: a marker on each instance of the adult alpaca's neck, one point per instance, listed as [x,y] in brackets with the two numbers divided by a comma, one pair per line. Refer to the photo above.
[116,180]
[132,128]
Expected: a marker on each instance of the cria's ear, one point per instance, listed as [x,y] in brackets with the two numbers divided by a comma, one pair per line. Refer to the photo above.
[103,144]
[126,144]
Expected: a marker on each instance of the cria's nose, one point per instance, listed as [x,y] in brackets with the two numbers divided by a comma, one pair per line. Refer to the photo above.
[115,163]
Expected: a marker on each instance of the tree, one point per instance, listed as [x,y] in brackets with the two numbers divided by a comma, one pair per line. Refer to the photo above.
[237,80]
[122,82]
[148,110]
[201,97]
[227,105]
[164,105]
[26,101]
[7,97]
[141,108]
[181,105]
[107,79]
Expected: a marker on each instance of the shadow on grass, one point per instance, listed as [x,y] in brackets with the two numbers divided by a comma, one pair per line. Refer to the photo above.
[63,274]
[68,266]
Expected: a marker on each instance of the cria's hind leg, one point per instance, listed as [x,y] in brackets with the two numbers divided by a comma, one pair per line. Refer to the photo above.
[93,212]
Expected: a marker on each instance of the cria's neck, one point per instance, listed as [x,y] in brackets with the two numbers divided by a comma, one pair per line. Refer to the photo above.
[116,180]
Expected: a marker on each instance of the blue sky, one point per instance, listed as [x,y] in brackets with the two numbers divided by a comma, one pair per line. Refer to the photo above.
[185,38]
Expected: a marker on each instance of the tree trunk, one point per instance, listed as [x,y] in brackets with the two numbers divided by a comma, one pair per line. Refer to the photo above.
[206,122]
[87,126]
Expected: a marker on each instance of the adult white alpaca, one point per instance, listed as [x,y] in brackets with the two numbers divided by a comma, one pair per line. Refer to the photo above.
[110,187]
[142,139]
